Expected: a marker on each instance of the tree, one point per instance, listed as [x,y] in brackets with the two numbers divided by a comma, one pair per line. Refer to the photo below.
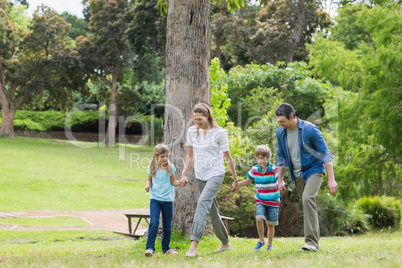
[276,32]
[104,53]
[369,68]
[188,41]
[34,60]
[147,36]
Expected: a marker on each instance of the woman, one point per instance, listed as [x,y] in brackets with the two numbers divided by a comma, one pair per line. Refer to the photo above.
[208,145]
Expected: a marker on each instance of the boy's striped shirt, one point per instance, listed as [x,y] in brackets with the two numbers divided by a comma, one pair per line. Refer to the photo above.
[266,184]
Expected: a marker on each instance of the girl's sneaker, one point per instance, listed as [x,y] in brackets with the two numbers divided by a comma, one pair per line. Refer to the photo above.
[149,252]
[259,245]
[270,248]
[171,251]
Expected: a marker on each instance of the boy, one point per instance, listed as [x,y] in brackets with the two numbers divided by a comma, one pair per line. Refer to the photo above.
[267,199]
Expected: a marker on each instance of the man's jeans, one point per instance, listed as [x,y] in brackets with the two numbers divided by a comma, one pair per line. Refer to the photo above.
[167,213]
[308,191]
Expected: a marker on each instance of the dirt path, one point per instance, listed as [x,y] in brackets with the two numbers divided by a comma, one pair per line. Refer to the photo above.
[111,220]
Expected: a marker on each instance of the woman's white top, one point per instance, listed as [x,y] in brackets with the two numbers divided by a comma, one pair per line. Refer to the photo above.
[208,151]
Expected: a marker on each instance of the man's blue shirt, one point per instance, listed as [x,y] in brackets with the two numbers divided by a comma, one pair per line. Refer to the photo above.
[313,150]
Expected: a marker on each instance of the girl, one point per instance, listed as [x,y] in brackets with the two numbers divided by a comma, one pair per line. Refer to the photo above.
[208,145]
[161,180]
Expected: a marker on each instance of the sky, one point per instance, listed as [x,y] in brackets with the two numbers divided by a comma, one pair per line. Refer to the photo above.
[71,6]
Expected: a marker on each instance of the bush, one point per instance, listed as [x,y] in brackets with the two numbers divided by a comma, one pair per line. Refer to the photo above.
[39,121]
[240,205]
[337,218]
[383,211]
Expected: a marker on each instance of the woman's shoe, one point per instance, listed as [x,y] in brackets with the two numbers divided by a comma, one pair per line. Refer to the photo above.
[191,255]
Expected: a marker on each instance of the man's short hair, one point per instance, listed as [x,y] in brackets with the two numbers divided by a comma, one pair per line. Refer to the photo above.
[285,109]
[263,150]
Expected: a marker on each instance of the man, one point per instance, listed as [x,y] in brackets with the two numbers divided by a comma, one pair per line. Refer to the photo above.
[302,148]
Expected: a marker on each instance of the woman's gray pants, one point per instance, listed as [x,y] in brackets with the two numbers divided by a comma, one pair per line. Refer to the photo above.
[207,206]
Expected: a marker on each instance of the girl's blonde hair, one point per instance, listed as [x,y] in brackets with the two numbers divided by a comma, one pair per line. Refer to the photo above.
[204,109]
[158,150]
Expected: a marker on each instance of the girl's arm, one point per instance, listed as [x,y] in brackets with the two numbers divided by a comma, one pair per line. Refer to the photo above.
[231,166]
[149,184]
[189,162]
[173,181]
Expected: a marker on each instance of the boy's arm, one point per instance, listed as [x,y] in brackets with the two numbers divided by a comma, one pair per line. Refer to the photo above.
[149,183]
[245,182]
[174,182]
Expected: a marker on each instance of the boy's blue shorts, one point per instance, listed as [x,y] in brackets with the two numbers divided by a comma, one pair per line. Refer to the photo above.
[268,213]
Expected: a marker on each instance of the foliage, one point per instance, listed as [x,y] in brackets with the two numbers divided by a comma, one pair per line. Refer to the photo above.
[37,58]
[147,36]
[249,85]
[338,218]
[219,96]
[264,34]
[383,211]
[78,26]
[239,205]
[370,66]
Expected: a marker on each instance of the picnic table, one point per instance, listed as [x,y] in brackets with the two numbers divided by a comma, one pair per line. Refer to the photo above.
[129,217]
[132,233]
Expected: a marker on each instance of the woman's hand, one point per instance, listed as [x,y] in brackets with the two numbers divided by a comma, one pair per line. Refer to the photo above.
[235,186]
[183,180]
[147,188]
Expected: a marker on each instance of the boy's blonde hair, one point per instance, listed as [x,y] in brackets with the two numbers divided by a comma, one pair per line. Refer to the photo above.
[159,149]
[263,150]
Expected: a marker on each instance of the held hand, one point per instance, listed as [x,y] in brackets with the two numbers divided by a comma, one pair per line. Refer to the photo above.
[183,180]
[147,188]
[234,186]
[282,187]
[332,186]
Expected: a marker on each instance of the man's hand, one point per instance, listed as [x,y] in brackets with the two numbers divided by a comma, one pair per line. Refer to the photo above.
[282,186]
[332,186]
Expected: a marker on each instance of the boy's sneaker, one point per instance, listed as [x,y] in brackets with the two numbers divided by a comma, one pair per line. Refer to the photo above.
[259,245]
[149,252]
[270,248]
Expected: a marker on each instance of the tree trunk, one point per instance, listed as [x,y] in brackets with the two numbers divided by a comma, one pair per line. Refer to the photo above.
[110,138]
[188,40]
[297,31]
[7,116]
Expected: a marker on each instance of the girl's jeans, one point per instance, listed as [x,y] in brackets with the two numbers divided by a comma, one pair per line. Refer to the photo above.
[167,213]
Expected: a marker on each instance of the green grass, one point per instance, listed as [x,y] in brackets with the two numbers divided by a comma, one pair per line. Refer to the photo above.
[38,174]
[45,221]
[105,249]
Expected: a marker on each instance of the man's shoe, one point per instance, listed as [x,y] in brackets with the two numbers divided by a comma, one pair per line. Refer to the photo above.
[309,247]
[222,249]
[270,248]
[259,245]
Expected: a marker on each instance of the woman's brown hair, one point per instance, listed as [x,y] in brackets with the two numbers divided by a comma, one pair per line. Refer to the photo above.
[205,110]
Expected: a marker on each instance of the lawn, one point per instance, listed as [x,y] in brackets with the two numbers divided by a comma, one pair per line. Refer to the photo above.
[56,175]
[38,174]
[105,249]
